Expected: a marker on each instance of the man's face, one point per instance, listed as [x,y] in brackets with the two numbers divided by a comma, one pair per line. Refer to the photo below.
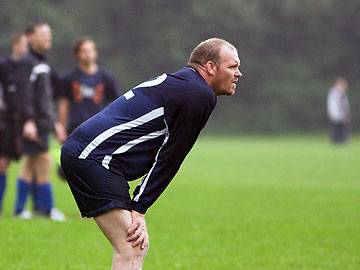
[42,38]
[227,73]
[87,53]
[20,48]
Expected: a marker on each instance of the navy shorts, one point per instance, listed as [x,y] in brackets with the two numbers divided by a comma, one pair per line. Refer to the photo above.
[36,147]
[96,190]
[10,143]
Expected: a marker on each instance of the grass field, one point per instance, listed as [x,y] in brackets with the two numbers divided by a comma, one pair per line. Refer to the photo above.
[237,203]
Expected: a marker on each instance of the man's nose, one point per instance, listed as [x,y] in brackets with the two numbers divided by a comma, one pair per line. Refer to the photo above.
[238,73]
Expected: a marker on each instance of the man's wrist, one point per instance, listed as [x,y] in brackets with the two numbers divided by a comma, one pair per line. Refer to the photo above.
[138,207]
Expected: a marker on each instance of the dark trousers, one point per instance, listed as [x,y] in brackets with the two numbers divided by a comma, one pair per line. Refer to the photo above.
[340,132]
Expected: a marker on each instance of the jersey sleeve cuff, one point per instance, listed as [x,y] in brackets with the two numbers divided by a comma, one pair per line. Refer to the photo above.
[138,207]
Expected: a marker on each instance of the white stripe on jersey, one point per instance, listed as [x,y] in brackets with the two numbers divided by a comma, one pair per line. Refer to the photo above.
[155,82]
[38,69]
[112,131]
[126,147]
[129,94]
[144,182]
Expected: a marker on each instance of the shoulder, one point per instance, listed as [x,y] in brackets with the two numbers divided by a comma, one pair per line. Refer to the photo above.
[71,74]
[3,63]
[105,73]
[29,59]
[27,63]
[190,86]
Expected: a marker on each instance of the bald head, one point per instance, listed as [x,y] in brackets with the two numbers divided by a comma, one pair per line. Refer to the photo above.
[217,61]
[208,50]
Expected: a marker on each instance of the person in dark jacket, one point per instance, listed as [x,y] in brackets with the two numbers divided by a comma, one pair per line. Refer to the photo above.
[146,132]
[37,85]
[10,125]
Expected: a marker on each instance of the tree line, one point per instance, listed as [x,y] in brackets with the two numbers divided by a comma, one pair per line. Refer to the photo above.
[291,51]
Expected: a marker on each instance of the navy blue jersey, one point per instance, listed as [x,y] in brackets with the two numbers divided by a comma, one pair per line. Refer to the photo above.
[147,132]
[9,80]
[38,83]
[87,94]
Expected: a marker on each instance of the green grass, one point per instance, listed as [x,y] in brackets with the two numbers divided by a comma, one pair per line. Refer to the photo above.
[237,203]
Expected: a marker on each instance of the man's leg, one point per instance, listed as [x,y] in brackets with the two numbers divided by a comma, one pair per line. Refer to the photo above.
[4,162]
[42,190]
[23,183]
[114,224]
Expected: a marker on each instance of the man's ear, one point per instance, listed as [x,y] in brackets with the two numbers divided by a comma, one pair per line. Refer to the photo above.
[211,68]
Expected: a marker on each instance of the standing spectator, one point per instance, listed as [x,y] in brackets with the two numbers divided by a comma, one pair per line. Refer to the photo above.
[87,88]
[338,110]
[10,126]
[36,83]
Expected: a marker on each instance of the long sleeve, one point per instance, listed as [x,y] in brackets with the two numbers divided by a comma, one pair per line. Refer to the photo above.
[185,116]
[26,91]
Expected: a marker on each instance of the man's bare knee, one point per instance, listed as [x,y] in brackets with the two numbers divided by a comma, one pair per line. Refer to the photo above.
[27,168]
[132,256]
[42,167]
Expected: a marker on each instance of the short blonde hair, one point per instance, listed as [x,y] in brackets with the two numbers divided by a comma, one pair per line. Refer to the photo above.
[208,50]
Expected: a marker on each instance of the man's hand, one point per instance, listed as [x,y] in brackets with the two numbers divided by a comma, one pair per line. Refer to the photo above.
[60,132]
[137,232]
[30,131]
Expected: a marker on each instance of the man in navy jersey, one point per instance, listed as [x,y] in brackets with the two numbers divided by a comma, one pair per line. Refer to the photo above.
[10,126]
[37,83]
[10,107]
[146,132]
[86,89]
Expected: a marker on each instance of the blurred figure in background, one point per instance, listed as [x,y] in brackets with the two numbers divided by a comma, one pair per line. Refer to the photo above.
[87,88]
[29,31]
[10,125]
[338,110]
[38,116]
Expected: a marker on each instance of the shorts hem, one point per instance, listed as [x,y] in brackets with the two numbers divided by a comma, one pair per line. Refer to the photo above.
[106,208]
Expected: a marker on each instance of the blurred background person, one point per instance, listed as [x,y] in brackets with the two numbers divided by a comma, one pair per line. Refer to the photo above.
[338,110]
[38,116]
[86,89]
[10,125]
[29,31]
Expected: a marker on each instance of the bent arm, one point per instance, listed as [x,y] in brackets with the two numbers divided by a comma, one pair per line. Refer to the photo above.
[184,119]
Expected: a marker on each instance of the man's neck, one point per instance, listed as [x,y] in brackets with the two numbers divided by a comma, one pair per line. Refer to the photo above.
[204,75]
[15,56]
[89,69]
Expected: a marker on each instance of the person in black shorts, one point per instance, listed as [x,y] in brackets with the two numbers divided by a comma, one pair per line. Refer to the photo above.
[146,133]
[10,126]
[37,82]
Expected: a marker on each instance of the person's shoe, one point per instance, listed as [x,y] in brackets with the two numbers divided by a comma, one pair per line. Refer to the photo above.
[24,214]
[56,215]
